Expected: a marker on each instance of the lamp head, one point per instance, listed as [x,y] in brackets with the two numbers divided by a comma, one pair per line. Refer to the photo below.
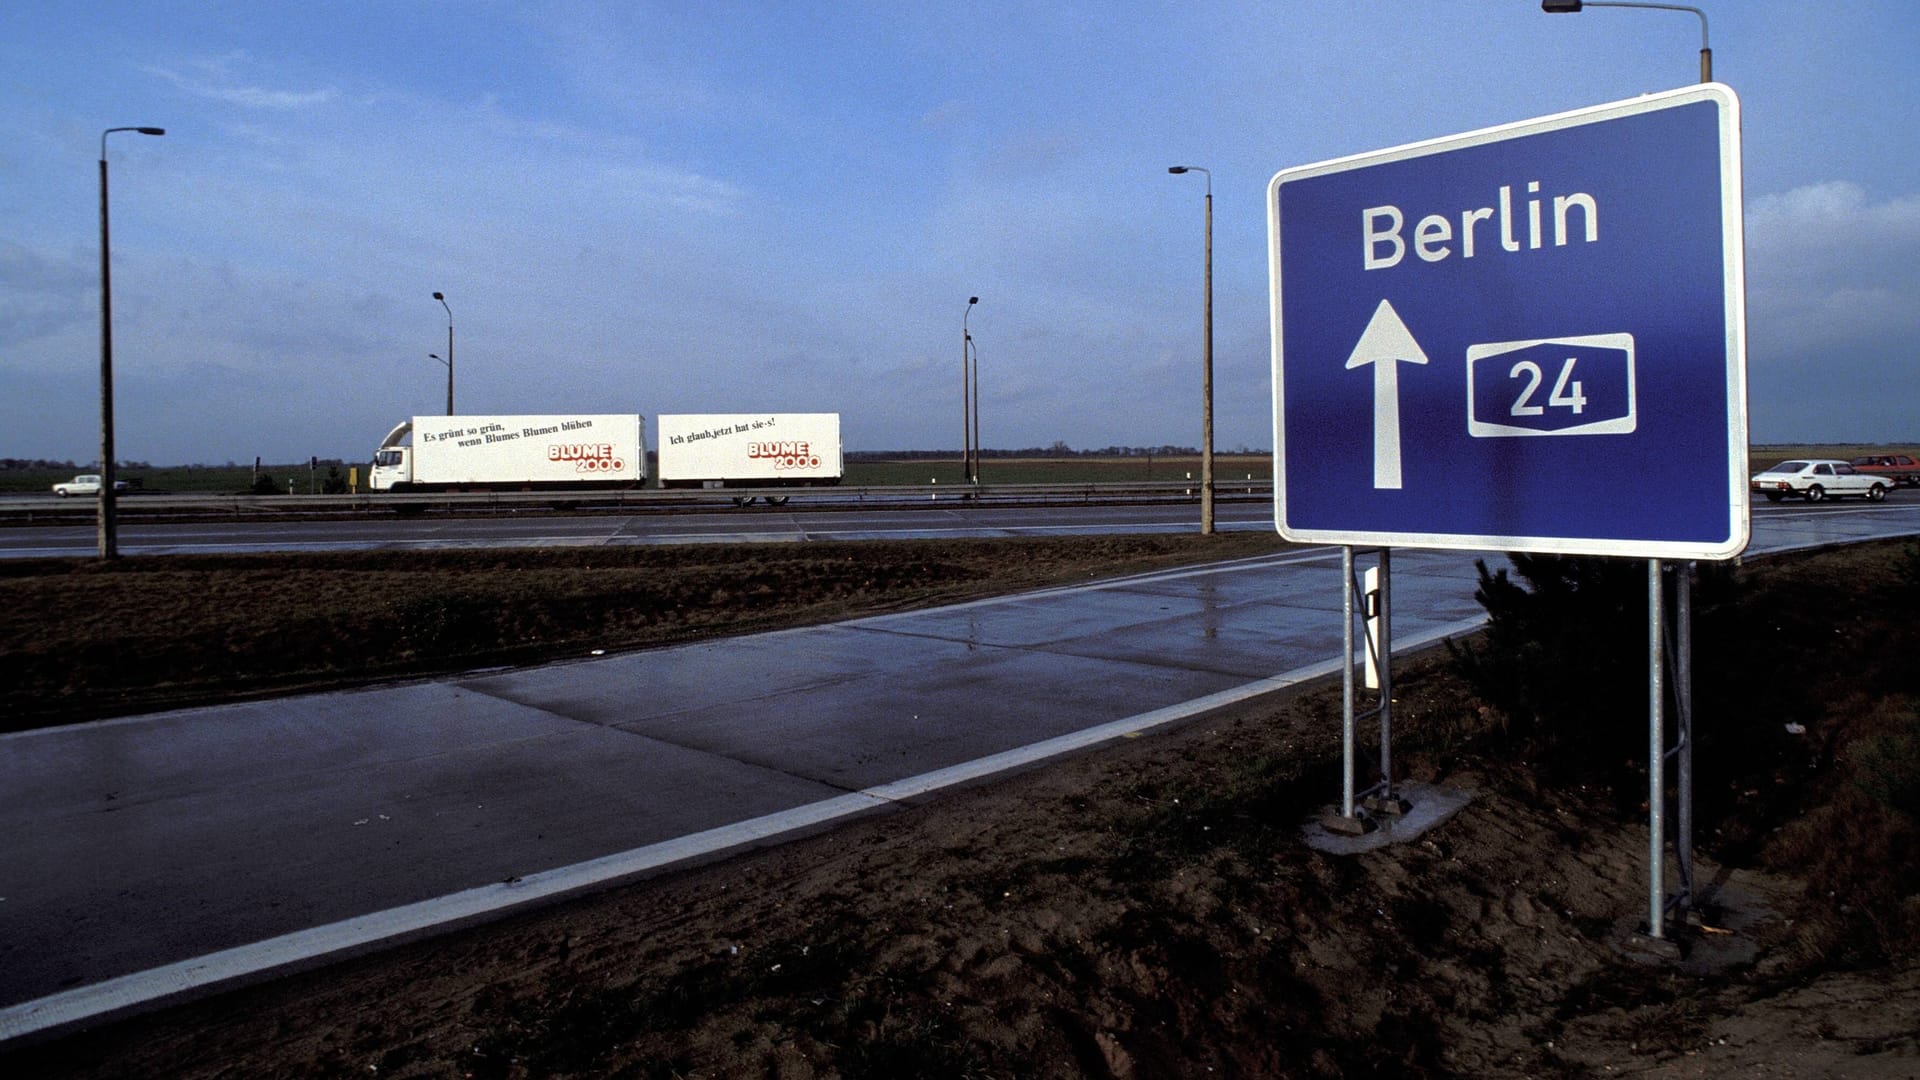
[438,296]
[972,300]
[1176,169]
[151,131]
[1560,7]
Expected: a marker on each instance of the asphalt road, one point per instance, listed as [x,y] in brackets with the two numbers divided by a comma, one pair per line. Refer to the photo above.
[388,533]
[154,856]
[542,529]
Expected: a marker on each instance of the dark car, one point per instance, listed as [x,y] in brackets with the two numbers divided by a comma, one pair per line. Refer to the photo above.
[1895,468]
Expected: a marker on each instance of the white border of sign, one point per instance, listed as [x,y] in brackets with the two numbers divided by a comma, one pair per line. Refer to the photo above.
[1733,233]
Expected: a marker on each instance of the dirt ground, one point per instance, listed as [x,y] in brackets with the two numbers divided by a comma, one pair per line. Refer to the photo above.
[1154,909]
[1148,910]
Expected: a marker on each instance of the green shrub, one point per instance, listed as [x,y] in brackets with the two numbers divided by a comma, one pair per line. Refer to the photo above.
[1563,658]
[1886,767]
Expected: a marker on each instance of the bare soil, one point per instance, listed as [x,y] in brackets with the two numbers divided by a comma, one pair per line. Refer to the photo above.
[1154,909]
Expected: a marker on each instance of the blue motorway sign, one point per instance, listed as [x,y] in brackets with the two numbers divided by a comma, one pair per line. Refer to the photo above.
[1528,338]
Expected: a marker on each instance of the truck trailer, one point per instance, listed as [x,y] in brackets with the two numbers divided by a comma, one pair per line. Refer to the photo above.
[564,452]
[750,450]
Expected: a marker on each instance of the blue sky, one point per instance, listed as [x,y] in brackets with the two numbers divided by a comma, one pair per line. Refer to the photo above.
[784,207]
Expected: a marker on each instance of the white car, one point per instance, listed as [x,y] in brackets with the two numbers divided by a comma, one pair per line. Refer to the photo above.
[1817,479]
[85,484]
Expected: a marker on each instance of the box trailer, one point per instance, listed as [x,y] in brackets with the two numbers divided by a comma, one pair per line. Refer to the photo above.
[564,452]
[756,450]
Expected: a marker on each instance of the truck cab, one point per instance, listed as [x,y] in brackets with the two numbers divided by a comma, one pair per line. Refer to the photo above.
[393,463]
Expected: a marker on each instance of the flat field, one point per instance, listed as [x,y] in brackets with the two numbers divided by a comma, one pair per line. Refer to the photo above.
[1073,470]
[180,479]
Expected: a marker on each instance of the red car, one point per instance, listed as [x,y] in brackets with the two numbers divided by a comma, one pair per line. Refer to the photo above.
[1897,468]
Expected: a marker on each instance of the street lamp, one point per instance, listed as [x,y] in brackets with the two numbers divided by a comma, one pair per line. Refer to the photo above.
[1206,423]
[966,395]
[108,532]
[449,360]
[1573,7]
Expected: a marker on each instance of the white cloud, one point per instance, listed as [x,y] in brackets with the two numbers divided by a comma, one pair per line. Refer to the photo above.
[1830,268]
[216,80]
[675,189]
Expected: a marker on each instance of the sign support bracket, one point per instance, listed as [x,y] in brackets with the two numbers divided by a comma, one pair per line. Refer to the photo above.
[1373,608]
[1683,748]
[1679,669]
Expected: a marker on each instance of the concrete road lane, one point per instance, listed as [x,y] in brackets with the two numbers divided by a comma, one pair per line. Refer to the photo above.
[152,855]
[150,841]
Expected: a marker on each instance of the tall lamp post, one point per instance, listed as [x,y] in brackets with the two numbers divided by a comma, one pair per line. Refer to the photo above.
[1206,423]
[966,394]
[108,527]
[1571,7]
[449,360]
[976,410]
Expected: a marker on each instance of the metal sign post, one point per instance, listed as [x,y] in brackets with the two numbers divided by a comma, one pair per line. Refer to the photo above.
[1683,715]
[1350,821]
[1656,753]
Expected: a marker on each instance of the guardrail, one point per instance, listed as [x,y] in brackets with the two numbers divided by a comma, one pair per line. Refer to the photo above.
[21,509]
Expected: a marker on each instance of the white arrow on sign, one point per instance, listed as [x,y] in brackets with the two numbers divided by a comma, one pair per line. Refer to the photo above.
[1386,343]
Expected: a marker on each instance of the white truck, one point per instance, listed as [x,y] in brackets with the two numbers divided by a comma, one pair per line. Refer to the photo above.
[573,451]
[750,450]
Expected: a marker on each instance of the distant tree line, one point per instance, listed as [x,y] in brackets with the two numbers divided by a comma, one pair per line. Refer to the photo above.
[35,463]
[49,463]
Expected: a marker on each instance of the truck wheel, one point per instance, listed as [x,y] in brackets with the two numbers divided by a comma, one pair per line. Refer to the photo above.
[1815,493]
[1876,493]
[778,500]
